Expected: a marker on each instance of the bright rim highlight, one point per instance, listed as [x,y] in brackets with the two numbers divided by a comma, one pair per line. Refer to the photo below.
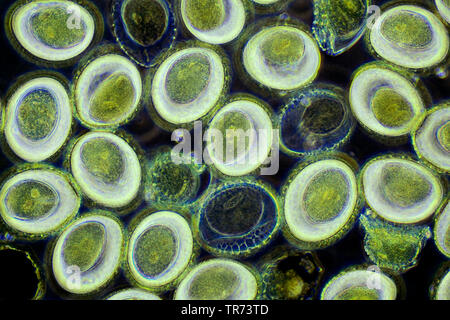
[96,91]
[18,128]
[420,42]
[159,233]
[432,139]
[22,194]
[21,24]
[123,186]
[442,231]
[358,285]
[282,57]
[70,277]
[254,138]
[202,102]
[305,219]
[401,190]
[384,101]
[214,22]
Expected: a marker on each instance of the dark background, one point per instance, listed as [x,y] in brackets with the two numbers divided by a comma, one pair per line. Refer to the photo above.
[16,277]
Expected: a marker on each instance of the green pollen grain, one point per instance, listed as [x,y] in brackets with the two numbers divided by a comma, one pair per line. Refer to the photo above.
[391,248]
[31,199]
[404,187]
[214,283]
[407,30]
[155,250]
[325,196]
[322,116]
[188,78]
[37,115]
[358,293]
[283,47]
[205,14]
[235,212]
[346,15]
[234,127]
[113,98]
[145,20]
[390,108]
[173,180]
[443,136]
[84,245]
[50,25]
[103,160]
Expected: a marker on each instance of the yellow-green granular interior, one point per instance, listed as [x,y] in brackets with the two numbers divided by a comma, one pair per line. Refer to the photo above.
[323,115]
[325,196]
[358,293]
[205,14]
[31,199]
[235,211]
[50,25]
[37,114]
[443,136]
[234,126]
[145,20]
[407,29]
[403,186]
[346,16]
[288,284]
[112,99]
[173,180]
[392,248]
[155,250]
[84,245]
[214,283]
[283,47]
[103,160]
[187,78]
[390,108]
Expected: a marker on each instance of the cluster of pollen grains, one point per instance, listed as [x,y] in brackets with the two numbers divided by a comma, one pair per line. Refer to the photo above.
[224,149]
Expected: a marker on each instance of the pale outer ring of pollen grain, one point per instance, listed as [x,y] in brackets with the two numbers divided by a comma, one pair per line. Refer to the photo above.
[307,66]
[67,202]
[260,119]
[92,279]
[232,26]
[390,212]
[441,229]
[179,113]
[265,2]
[444,11]
[115,195]
[184,240]
[426,142]
[359,278]
[42,51]
[135,294]
[43,148]
[443,288]
[112,63]
[295,213]
[435,53]
[363,84]
[246,291]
